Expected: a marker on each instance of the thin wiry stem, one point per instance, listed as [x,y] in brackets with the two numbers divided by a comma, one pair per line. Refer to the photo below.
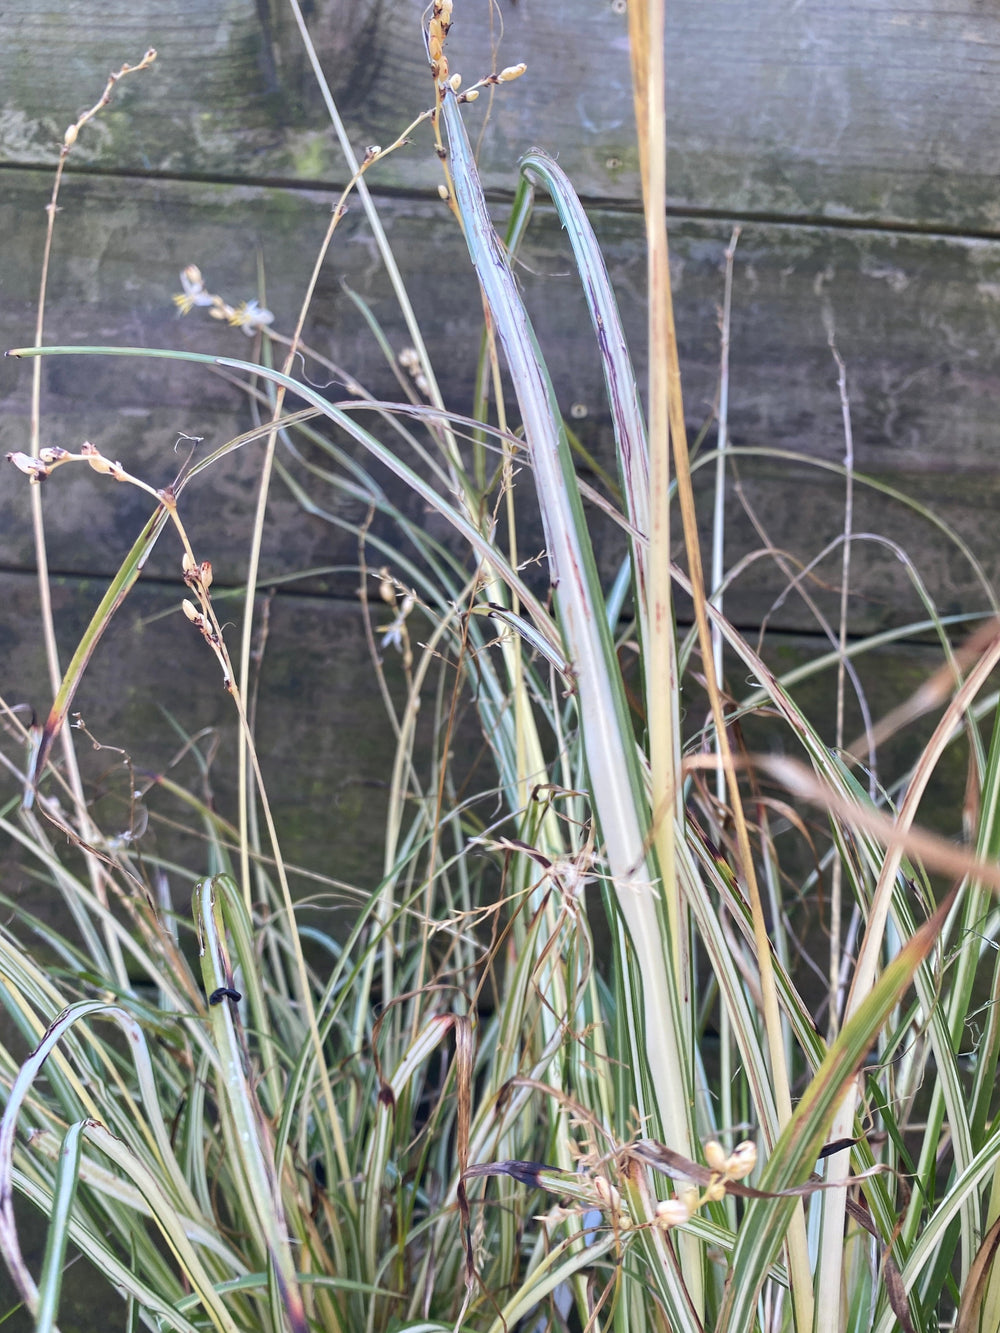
[82,815]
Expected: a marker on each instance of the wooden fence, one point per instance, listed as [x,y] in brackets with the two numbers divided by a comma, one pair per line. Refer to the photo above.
[855,146]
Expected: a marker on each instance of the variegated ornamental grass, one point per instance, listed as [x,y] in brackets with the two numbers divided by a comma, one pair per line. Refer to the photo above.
[461,1116]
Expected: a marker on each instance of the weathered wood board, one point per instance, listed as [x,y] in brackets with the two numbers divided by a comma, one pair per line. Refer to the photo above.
[855,146]
[916,318]
[324,739]
[878,112]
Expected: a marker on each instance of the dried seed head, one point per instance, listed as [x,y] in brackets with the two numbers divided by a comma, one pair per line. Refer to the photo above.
[195,575]
[106,466]
[32,467]
[511,72]
[99,463]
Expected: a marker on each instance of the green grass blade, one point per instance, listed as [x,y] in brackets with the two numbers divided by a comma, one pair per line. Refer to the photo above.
[118,590]
[797,1151]
[254,1164]
[67,1177]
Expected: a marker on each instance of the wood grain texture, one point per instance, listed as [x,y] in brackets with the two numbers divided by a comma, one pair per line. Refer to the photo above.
[878,112]
[917,319]
[324,739]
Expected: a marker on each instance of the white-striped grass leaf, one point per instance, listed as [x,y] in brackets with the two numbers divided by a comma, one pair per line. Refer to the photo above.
[150,1182]
[561,1263]
[631,448]
[923,1257]
[169,1221]
[64,1194]
[150,1132]
[765,1222]
[257,1015]
[250,1158]
[117,1190]
[613,769]
[158,1299]
[977,902]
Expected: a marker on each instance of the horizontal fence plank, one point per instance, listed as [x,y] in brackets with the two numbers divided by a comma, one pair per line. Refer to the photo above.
[876,112]
[916,318]
[323,737]
[325,743]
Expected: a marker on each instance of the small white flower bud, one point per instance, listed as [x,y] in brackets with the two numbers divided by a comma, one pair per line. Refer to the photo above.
[672,1213]
[715,1155]
[743,1160]
[610,1199]
[511,72]
[96,459]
